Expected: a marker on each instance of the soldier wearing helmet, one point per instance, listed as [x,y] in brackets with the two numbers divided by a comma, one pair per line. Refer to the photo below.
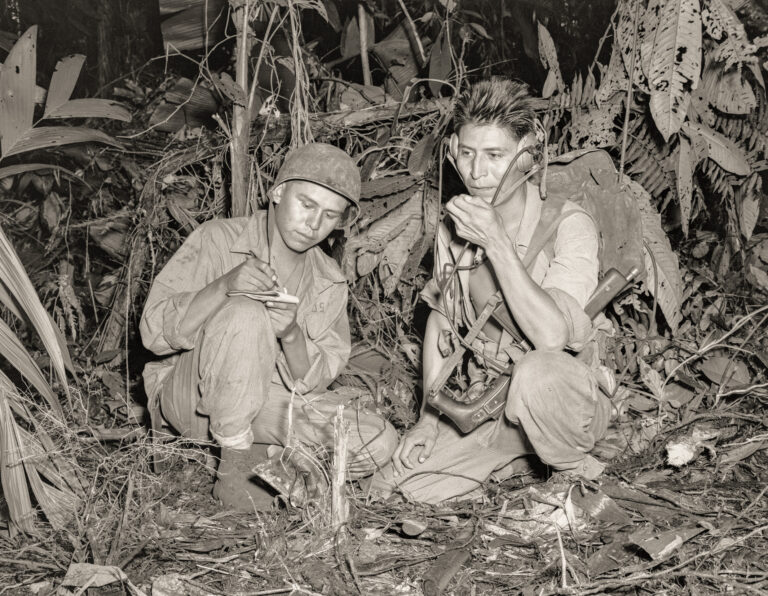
[241,366]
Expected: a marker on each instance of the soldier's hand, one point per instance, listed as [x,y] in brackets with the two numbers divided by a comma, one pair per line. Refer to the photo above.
[475,220]
[253,275]
[418,442]
[283,317]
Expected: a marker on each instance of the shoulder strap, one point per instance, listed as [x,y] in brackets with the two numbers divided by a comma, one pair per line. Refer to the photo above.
[545,232]
[550,218]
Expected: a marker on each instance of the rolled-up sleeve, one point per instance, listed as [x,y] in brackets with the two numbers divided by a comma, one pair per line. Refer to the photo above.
[328,341]
[571,277]
[172,292]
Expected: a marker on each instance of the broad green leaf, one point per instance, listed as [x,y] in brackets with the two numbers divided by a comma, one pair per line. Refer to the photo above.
[613,80]
[685,181]
[14,352]
[44,137]
[721,149]
[16,281]
[663,279]
[749,213]
[652,379]
[548,56]
[625,37]
[675,63]
[17,90]
[186,29]
[91,108]
[12,477]
[63,81]
[32,167]
[440,64]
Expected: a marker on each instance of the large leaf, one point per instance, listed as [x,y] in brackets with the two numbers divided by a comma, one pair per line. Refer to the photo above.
[44,137]
[12,477]
[627,38]
[14,352]
[186,29]
[675,63]
[33,167]
[749,211]
[648,26]
[91,108]
[663,279]
[685,181]
[613,80]
[17,90]
[439,63]
[722,150]
[548,56]
[63,81]
[728,91]
[14,278]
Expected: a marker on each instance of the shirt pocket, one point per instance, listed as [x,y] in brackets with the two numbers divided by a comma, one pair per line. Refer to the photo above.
[316,324]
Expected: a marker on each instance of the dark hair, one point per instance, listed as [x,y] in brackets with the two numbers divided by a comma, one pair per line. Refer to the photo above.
[496,101]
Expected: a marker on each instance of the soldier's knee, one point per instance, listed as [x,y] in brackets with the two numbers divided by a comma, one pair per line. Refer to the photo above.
[239,313]
[532,383]
[378,441]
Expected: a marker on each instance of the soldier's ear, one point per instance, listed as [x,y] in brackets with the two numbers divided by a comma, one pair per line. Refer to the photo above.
[453,148]
[277,193]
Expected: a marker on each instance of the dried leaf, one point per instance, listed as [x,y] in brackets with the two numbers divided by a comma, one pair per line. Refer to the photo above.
[660,546]
[685,182]
[721,149]
[675,63]
[63,81]
[83,575]
[396,254]
[742,452]
[17,86]
[421,156]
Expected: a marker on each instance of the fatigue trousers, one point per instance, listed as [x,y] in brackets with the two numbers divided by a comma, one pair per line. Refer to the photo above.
[228,385]
[554,410]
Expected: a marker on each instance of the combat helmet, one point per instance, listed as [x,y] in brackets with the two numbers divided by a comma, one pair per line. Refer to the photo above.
[327,166]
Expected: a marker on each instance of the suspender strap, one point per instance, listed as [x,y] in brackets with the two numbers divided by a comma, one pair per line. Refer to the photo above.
[456,357]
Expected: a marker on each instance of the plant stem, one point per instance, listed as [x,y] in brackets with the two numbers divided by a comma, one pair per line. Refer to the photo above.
[625,129]
[363,27]
[239,141]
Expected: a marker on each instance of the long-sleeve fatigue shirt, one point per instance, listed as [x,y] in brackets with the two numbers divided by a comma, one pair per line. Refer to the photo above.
[212,250]
[569,276]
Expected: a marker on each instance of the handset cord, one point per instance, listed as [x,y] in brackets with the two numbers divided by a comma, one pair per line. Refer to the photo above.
[444,286]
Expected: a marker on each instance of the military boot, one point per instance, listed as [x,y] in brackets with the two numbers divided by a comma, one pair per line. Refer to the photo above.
[235,486]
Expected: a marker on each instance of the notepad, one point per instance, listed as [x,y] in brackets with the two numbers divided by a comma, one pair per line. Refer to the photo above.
[267,296]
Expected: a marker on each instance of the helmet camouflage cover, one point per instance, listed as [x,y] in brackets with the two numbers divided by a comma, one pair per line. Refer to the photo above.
[327,166]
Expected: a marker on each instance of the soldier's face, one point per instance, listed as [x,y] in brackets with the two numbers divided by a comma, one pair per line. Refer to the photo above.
[305,213]
[482,154]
